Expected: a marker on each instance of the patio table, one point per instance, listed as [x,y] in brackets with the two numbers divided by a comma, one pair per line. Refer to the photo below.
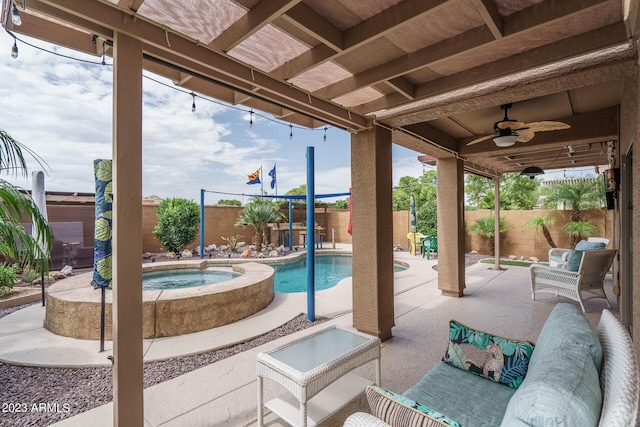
[317,366]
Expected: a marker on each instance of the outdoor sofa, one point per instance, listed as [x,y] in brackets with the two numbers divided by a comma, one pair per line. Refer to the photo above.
[576,376]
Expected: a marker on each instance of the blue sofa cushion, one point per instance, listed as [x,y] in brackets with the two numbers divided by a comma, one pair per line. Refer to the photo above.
[562,386]
[400,411]
[471,400]
[566,327]
[496,358]
[575,256]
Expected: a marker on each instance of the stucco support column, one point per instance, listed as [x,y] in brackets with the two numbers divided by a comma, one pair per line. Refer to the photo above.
[372,232]
[451,226]
[496,224]
[127,232]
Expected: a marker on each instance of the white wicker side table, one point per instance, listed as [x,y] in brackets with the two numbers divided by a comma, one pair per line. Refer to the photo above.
[317,365]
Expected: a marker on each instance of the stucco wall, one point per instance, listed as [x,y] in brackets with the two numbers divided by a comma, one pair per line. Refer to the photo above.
[220,220]
[516,241]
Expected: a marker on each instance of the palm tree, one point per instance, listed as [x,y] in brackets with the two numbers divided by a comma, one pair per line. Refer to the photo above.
[257,214]
[15,243]
[539,222]
[485,226]
[580,194]
[580,229]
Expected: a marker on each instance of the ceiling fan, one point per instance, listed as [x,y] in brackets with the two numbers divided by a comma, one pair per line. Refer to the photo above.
[507,132]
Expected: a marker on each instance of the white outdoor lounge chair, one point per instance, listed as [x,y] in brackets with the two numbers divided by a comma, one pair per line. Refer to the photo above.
[558,256]
[581,285]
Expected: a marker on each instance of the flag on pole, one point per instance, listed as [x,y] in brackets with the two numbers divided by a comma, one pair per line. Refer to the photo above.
[272,174]
[254,178]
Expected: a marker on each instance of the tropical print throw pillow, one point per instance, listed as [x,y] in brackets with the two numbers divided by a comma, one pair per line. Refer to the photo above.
[496,358]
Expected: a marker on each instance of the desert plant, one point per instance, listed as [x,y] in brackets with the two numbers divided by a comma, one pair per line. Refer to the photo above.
[539,222]
[7,277]
[178,221]
[29,275]
[233,242]
[485,226]
[580,229]
[257,214]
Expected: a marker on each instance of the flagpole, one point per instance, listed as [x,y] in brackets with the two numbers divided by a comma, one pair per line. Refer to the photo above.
[261,182]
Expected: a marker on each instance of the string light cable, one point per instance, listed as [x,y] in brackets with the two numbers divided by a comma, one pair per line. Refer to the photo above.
[194,95]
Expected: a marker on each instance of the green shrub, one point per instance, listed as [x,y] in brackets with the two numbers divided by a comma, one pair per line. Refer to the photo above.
[7,277]
[177,226]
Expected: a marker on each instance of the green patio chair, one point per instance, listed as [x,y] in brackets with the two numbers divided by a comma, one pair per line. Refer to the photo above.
[429,244]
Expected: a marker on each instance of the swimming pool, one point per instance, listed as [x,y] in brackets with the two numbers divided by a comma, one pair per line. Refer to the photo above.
[291,277]
[177,279]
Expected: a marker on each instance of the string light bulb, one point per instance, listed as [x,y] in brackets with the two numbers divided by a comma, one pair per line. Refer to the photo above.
[290,131]
[324,139]
[14,49]
[15,15]
[250,118]
[193,104]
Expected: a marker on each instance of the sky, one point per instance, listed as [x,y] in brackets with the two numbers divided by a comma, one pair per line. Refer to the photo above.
[62,110]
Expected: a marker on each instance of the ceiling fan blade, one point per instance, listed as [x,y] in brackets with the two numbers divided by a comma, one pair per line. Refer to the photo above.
[525,135]
[512,124]
[547,125]
[482,138]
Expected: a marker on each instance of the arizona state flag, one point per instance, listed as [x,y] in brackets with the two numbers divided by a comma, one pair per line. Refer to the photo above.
[254,178]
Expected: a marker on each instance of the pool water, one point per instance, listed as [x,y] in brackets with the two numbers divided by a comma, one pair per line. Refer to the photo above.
[163,280]
[330,269]
[289,277]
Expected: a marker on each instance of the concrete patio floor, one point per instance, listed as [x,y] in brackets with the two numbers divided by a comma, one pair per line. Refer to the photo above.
[224,393]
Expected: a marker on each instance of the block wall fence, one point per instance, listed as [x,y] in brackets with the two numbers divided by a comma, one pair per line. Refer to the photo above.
[220,220]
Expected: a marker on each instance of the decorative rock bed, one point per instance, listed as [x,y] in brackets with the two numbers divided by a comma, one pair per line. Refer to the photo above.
[73,306]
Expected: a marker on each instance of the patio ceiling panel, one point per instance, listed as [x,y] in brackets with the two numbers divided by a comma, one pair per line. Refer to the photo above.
[267,49]
[436,26]
[203,20]
[320,76]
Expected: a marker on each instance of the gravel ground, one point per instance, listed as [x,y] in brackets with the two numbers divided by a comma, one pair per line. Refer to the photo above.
[72,391]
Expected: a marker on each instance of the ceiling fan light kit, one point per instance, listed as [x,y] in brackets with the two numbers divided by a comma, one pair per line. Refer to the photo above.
[532,171]
[506,140]
[507,131]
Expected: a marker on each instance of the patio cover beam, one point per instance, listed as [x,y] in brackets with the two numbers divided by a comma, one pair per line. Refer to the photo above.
[265,12]
[512,89]
[214,65]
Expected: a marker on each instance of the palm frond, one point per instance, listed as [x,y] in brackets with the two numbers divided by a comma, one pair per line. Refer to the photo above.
[12,156]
